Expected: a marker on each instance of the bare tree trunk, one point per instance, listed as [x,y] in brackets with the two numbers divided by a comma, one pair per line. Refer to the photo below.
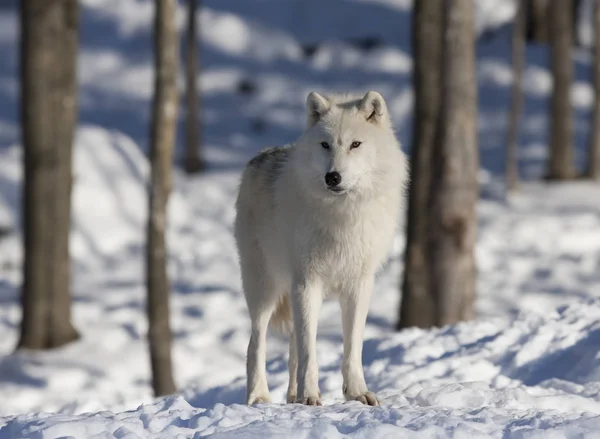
[518,59]
[417,307]
[48,116]
[537,20]
[538,26]
[575,6]
[162,138]
[560,163]
[192,163]
[454,186]
[593,170]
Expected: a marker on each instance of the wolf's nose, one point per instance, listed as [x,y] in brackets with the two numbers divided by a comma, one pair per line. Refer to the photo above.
[332,179]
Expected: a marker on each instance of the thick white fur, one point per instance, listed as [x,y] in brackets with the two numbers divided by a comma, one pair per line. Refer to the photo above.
[299,242]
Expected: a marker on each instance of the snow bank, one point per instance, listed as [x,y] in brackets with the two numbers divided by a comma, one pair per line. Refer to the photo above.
[174,417]
[110,199]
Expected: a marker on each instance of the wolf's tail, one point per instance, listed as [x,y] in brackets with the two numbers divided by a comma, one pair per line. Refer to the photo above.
[281,320]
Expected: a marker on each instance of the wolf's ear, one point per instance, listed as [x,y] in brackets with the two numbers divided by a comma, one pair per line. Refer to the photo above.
[316,107]
[373,107]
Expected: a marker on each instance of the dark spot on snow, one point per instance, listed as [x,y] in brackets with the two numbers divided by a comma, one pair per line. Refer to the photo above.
[246,87]
[258,126]
[4,231]
[308,50]
[366,43]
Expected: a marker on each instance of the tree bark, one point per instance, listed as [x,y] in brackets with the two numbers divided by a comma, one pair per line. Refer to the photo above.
[593,170]
[193,144]
[560,163]
[518,60]
[454,186]
[162,138]
[417,307]
[49,39]
[537,20]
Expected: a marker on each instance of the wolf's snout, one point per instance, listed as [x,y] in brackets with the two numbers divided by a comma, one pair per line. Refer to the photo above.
[332,179]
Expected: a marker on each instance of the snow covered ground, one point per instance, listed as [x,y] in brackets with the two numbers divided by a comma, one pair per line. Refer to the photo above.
[528,367]
[535,377]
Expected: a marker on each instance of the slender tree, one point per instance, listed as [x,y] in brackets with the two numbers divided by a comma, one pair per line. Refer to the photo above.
[454,187]
[417,307]
[593,170]
[518,60]
[560,163]
[192,160]
[162,138]
[49,39]
[537,19]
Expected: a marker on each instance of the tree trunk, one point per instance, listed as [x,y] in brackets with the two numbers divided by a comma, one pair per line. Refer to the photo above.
[49,39]
[162,138]
[575,6]
[192,162]
[560,163]
[593,170]
[518,59]
[417,307]
[537,20]
[454,187]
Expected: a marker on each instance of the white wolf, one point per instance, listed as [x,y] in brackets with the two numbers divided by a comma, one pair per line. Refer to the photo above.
[316,219]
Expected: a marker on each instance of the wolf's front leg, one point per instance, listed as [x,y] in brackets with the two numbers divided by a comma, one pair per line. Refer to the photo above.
[307,297]
[355,306]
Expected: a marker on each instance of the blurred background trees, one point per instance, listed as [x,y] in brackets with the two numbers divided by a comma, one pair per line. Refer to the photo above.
[561,36]
[516,109]
[49,39]
[418,304]
[593,170]
[193,158]
[439,275]
[162,140]
[455,162]
[537,19]
[438,285]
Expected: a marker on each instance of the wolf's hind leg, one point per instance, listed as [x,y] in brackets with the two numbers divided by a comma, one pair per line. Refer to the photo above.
[292,391]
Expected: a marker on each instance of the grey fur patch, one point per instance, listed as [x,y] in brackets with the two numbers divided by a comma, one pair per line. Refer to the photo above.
[270,161]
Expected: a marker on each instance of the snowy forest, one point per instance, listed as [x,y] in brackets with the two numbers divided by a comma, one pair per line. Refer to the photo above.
[125,126]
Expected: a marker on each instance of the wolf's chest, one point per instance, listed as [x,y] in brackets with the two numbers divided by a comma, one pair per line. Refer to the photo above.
[341,243]
[346,249]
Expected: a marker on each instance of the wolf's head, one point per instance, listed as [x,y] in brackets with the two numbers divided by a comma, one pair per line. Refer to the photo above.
[349,146]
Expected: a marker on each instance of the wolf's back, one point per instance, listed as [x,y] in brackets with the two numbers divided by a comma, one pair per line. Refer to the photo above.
[261,173]
[269,162]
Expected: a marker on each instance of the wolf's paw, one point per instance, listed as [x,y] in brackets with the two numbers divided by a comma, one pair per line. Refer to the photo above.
[311,400]
[292,398]
[367,398]
[259,400]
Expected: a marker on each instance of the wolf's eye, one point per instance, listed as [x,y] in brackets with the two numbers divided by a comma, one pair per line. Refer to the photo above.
[325,145]
[355,144]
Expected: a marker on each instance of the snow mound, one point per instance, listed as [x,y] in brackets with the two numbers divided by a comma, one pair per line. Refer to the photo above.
[109,202]
[110,199]
[535,377]
[174,417]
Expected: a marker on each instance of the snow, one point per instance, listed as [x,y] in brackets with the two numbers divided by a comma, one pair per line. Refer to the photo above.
[527,367]
[483,379]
